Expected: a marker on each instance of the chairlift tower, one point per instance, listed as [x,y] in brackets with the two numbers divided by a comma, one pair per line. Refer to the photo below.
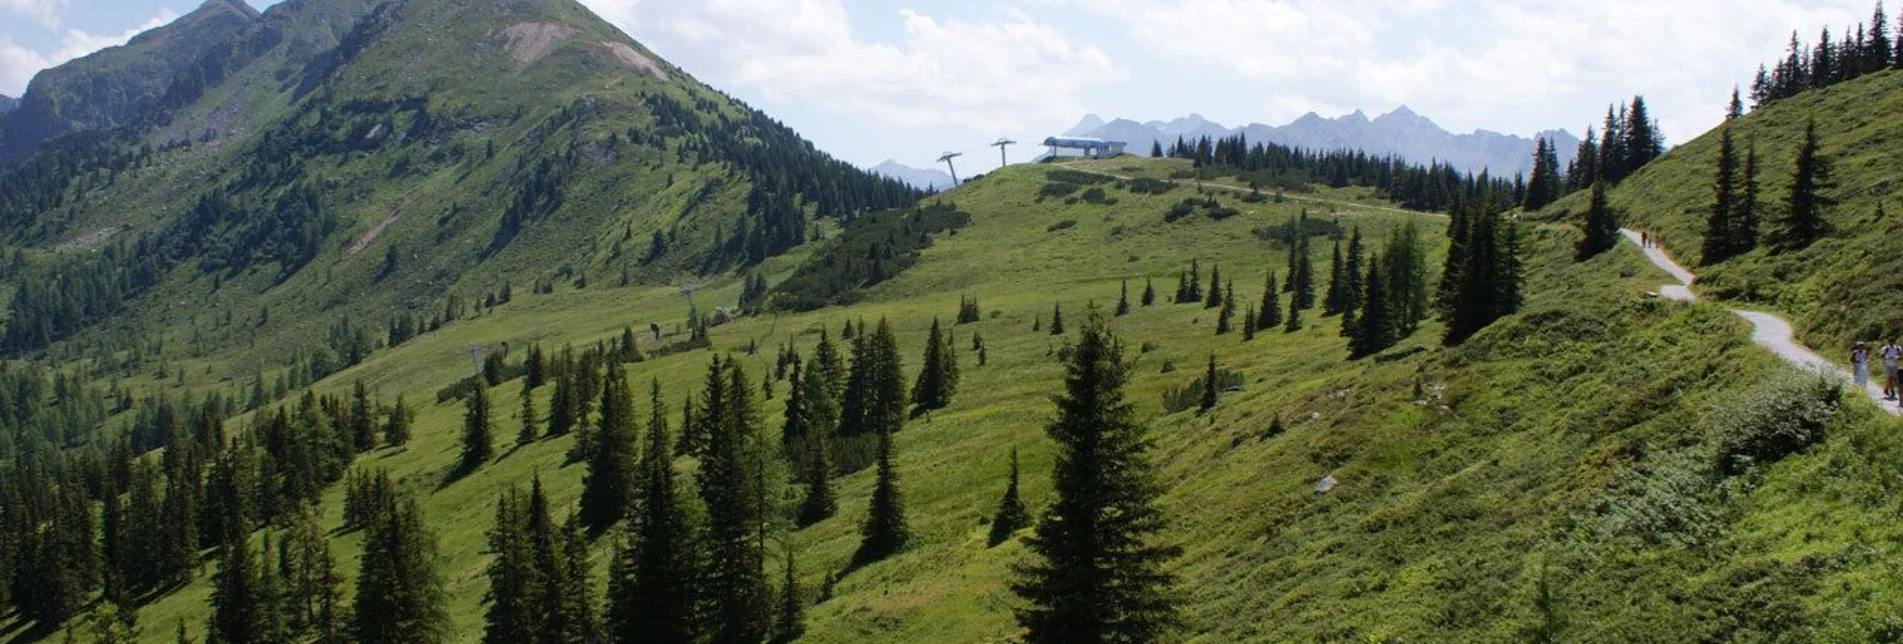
[947,160]
[1001,144]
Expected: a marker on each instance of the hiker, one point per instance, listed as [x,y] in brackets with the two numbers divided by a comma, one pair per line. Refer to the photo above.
[1645,240]
[1890,353]
[1860,365]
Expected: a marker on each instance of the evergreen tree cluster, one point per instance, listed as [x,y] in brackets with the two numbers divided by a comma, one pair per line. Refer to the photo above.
[1731,227]
[875,248]
[540,580]
[1868,48]
[1432,187]
[1482,278]
[1627,140]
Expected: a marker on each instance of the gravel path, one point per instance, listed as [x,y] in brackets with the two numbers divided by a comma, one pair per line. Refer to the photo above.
[1768,330]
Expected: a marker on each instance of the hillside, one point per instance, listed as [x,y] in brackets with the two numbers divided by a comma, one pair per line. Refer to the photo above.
[1565,453]
[1845,288]
[352,174]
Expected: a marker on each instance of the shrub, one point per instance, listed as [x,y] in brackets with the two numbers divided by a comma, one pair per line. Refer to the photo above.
[1060,225]
[1662,501]
[1078,177]
[1148,186]
[1777,417]
[1190,395]
[1056,190]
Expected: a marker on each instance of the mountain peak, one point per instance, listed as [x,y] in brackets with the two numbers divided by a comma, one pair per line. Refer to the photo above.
[1086,125]
[238,6]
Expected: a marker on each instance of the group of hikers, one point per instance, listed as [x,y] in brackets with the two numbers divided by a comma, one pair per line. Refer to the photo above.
[1890,353]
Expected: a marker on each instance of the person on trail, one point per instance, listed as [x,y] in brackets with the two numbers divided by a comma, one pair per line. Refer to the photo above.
[1645,240]
[1890,354]
[1860,365]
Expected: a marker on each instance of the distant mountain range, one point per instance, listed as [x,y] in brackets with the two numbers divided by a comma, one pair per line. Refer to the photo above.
[1400,132]
[921,178]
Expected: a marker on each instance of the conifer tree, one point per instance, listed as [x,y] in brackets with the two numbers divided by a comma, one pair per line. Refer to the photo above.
[1720,242]
[1333,299]
[1228,311]
[1149,291]
[1123,299]
[1294,321]
[363,422]
[1304,276]
[1182,288]
[937,376]
[1248,322]
[1269,315]
[791,622]
[478,430]
[1375,328]
[1351,285]
[1735,108]
[1057,319]
[237,603]
[1601,227]
[1803,221]
[1195,289]
[608,487]
[531,425]
[536,369]
[884,531]
[1642,140]
[1406,279]
[1542,187]
[1095,577]
[396,428]
[652,588]
[1209,386]
[1214,298]
[514,586]
[399,597]
[578,622]
[737,601]
[1012,515]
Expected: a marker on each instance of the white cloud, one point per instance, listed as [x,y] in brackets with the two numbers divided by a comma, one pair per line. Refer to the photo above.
[18,64]
[44,11]
[1518,66]
[981,76]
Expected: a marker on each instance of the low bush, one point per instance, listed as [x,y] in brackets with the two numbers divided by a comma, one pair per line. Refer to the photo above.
[1779,416]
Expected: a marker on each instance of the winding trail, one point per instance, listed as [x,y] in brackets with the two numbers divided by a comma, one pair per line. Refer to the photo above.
[1768,330]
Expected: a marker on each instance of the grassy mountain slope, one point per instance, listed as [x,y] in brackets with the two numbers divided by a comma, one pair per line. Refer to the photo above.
[376,160]
[115,86]
[1566,449]
[1846,287]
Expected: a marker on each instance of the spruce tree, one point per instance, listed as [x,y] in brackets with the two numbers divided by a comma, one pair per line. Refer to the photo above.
[1406,279]
[1294,321]
[1304,277]
[653,590]
[576,620]
[790,624]
[363,422]
[1601,227]
[1209,386]
[937,376]
[1195,289]
[514,586]
[1248,322]
[1643,143]
[608,486]
[531,425]
[1225,315]
[1123,299]
[1269,315]
[737,601]
[1094,576]
[1720,239]
[1542,187]
[396,428]
[399,598]
[1214,297]
[884,531]
[1012,515]
[1735,108]
[1057,319]
[1149,291]
[237,603]
[1351,285]
[478,430]
[1375,328]
[1803,221]
[1332,300]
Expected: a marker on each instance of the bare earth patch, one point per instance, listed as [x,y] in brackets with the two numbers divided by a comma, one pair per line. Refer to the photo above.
[530,41]
[628,56]
[372,234]
[90,240]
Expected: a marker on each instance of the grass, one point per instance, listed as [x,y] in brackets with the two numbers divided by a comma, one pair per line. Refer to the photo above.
[1845,288]
[1450,504]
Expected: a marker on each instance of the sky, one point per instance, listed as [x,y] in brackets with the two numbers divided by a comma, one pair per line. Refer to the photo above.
[869,80]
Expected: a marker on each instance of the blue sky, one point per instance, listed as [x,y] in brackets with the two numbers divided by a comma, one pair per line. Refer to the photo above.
[908,79]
